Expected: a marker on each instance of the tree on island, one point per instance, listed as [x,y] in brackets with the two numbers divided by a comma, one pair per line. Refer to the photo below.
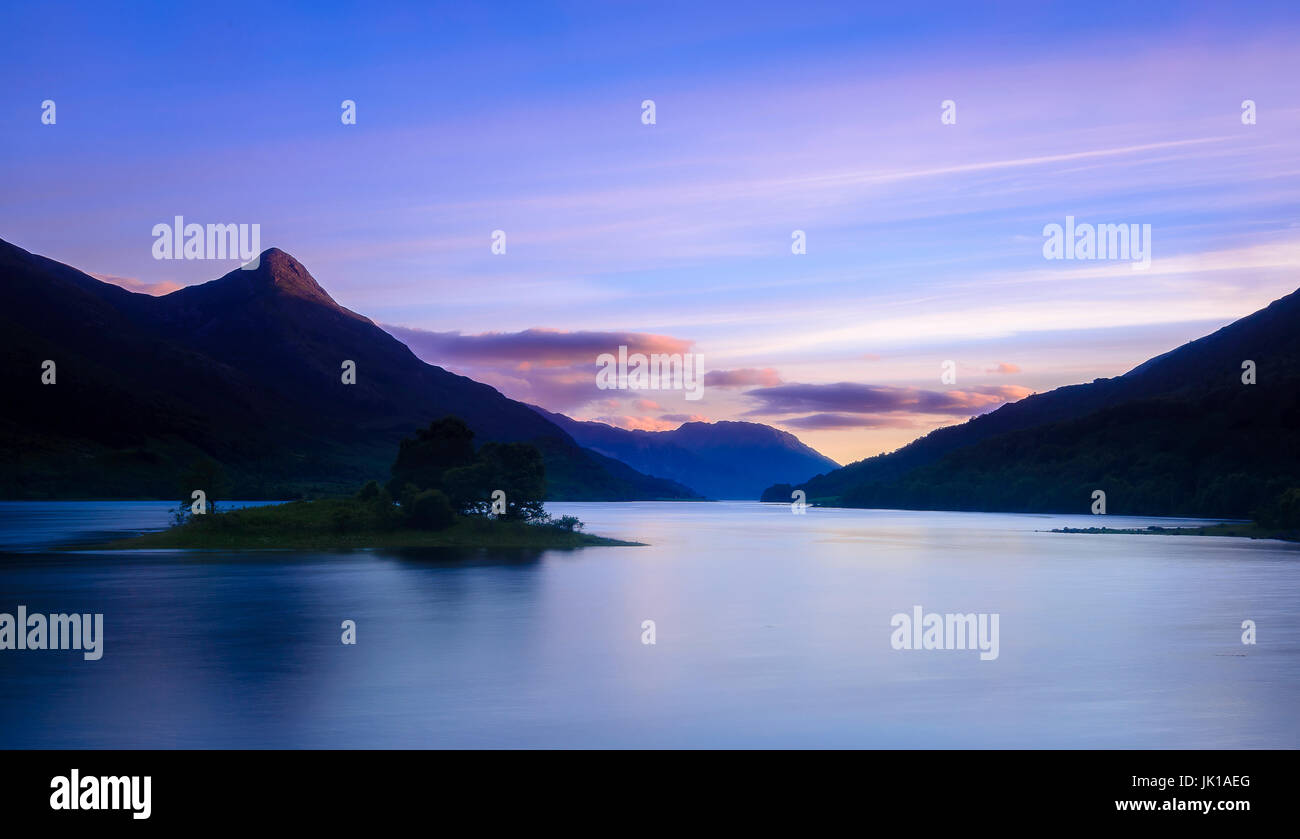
[447,443]
[437,478]
[441,459]
[515,469]
[1282,513]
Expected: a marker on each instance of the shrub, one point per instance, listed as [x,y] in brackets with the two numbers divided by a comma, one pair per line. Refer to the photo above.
[406,495]
[431,510]
[376,505]
[345,519]
[569,523]
[1282,513]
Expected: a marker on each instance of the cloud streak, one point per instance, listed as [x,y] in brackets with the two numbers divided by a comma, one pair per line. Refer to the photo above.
[531,346]
[746,377]
[843,422]
[855,398]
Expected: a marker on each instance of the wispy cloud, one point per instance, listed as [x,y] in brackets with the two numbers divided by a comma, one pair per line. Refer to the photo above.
[553,368]
[852,397]
[924,239]
[842,422]
[745,377]
[531,347]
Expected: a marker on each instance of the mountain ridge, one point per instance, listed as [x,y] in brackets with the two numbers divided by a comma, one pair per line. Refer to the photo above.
[1197,391]
[245,370]
[726,459]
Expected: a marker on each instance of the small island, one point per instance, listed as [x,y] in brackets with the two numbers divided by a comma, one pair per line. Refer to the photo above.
[443,493]
[1243,529]
[1276,519]
[315,525]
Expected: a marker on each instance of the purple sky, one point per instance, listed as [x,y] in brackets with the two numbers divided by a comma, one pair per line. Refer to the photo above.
[924,240]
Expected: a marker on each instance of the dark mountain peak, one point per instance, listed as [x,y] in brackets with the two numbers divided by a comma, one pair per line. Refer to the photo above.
[245,370]
[742,433]
[734,428]
[280,272]
[725,459]
[273,279]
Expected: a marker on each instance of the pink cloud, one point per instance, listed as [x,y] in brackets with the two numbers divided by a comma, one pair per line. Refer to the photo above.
[744,377]
[531,346]
[552,368]
[157,289]
[638,423]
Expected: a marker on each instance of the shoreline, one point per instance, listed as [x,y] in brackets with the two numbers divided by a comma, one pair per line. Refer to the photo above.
[167,540]
[1239,530]
[339,525]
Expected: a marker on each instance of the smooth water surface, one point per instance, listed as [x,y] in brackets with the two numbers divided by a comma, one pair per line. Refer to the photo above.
[772,630]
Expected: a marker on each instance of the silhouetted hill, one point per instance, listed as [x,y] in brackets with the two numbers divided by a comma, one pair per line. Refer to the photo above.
[718,459]
[1178,435]
[245,369]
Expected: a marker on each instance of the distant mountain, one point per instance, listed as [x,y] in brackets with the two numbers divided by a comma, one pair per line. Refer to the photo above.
[246,370]
[724,460]
[1178,435]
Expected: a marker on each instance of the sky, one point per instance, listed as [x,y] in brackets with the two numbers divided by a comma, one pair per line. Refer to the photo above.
[923,223]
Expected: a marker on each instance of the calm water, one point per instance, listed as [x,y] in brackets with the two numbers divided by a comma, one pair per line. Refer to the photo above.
[772,631]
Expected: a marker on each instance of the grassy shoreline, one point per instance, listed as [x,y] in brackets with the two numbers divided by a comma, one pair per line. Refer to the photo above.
[324,525]
[1242,530]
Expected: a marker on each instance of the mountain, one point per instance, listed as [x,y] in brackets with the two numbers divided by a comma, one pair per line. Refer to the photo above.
[245,370]
[1177,435]
[717,459]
